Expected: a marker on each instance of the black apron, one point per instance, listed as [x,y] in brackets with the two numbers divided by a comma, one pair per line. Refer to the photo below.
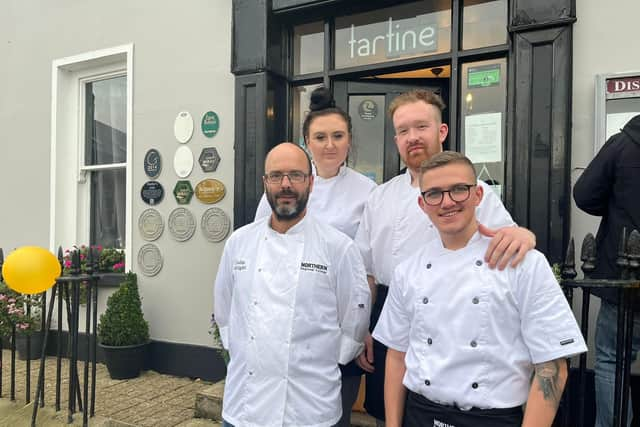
[374,390]
[421,412]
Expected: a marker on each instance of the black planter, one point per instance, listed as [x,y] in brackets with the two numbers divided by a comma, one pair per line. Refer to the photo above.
[35,350]
[124,362]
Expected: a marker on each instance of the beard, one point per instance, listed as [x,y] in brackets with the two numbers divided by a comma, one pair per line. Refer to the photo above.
[287,212]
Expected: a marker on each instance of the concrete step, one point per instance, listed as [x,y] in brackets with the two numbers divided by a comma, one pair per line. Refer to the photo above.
[209,406]
[13,414]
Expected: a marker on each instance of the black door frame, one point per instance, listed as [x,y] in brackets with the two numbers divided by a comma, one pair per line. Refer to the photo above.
[539,56]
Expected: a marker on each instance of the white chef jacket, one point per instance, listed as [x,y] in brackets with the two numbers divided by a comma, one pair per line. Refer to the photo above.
[393,227]
[472,334]
[337,201]
[290,307]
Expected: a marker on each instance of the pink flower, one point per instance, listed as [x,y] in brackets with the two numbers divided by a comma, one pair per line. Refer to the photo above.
[67,264]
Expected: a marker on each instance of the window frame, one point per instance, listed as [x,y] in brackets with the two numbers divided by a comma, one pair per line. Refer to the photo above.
[70,189]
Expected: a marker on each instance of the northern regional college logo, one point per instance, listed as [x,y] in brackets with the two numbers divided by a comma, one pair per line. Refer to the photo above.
[310,266]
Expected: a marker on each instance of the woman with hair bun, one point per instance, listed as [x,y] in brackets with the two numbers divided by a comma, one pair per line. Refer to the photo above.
[338,197]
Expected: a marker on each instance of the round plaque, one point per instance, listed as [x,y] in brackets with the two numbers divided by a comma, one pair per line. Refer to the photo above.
[150,259]
[368,109]
[210,191]
[215,224]
[210,124]
[150,224]
[183,161]
[152,192]
[152,163]
[182,224]
[183,127]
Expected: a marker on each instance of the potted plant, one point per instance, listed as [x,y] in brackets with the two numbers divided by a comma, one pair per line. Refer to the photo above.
[122,332]
[27,323]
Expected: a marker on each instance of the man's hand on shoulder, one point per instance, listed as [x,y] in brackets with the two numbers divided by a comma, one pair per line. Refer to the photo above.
[508,245]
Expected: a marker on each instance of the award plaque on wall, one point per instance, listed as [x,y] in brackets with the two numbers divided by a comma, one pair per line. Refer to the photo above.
[150,259]
[183,192]
[209,159]
[152,192]
[183,127]
[152,163]
[210,191]
[183,161]
[182,224]
[150,225]
[210,124]
[215,224]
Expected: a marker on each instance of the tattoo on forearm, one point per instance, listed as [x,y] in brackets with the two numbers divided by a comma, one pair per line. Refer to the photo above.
[548,377]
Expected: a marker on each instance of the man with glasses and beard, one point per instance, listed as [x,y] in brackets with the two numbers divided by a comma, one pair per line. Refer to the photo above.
[291,302]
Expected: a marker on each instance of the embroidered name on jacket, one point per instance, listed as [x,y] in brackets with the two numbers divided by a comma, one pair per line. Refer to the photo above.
[240,265]
[310,266]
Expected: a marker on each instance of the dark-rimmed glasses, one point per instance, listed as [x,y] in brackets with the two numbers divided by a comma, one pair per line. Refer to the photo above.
[458,193]
[295,177]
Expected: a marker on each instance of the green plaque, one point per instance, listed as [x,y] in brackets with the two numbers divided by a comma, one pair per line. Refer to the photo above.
[183,192]
[210,124]
[485,76]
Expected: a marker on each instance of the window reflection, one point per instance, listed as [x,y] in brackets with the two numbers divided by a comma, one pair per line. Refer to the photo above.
[485,23]
[308,48]
[301,98]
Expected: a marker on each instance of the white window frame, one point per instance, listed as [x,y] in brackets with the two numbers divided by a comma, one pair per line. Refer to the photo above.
[69,188]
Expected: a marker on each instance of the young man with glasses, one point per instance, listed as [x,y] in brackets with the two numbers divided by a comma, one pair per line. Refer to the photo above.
[393,227]
[463,339]
[291,302]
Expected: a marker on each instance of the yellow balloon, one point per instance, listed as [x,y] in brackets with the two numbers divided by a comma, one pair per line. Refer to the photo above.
[31,270]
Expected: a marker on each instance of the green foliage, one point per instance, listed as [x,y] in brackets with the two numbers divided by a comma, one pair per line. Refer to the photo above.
[108,259]
[123,323]
[13,312]
[557,271]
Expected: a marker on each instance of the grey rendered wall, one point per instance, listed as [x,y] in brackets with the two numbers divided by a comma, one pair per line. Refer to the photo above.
[181,62]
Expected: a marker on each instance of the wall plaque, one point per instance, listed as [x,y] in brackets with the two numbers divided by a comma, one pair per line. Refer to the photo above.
[150,224]
[210,191]
[182,224]
[215,224]
[210,124]
[152,192]
[150,259]
[183,192]
[183,161]
[152,163]
[183,127]
[209,159]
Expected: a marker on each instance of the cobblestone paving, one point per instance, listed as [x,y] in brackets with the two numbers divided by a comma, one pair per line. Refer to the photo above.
[150,400]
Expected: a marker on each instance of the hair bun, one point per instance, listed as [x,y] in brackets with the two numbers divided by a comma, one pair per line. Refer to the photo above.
[320,99]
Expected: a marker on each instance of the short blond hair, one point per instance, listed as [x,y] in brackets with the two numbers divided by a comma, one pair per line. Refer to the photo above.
[445,158]
[417,95]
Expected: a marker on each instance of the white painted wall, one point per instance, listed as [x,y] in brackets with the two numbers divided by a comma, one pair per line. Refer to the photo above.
[604,41]
[181,58]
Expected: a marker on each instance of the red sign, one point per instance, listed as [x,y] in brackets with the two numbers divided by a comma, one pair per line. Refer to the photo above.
[625,84]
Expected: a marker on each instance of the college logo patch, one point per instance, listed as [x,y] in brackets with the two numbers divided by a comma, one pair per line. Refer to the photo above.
[310,266]
[437,423]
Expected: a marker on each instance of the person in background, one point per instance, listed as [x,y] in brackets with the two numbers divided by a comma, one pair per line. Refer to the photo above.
[610,187]
[291,302]
[338,197]
[393,227]
[464,340]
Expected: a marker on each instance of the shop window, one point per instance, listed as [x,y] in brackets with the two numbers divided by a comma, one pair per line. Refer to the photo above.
[301,98]
[404,31]
[368,118]
[91,149]
[483,111]
[308,47]
[484,23]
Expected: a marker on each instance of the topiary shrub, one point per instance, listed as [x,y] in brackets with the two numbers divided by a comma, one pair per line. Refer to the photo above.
[123,323]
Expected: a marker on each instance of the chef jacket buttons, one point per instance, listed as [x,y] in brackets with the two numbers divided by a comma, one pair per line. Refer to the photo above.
[475,300]
[429,341]
[259,270]
[425,300]
[478,263]
[474,385]
[473,344]
[427,382]
[428,266]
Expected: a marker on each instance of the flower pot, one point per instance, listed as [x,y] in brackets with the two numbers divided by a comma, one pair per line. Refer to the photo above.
[36,346]
[124,362]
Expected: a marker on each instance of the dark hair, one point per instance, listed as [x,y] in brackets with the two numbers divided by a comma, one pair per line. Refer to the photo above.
[322,104]
[445,158]
[417,95]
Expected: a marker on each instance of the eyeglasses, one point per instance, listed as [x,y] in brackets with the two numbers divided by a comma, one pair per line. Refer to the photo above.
[295,177]
[458,193]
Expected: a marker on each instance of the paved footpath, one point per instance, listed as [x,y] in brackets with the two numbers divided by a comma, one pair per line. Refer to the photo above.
[150,400]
